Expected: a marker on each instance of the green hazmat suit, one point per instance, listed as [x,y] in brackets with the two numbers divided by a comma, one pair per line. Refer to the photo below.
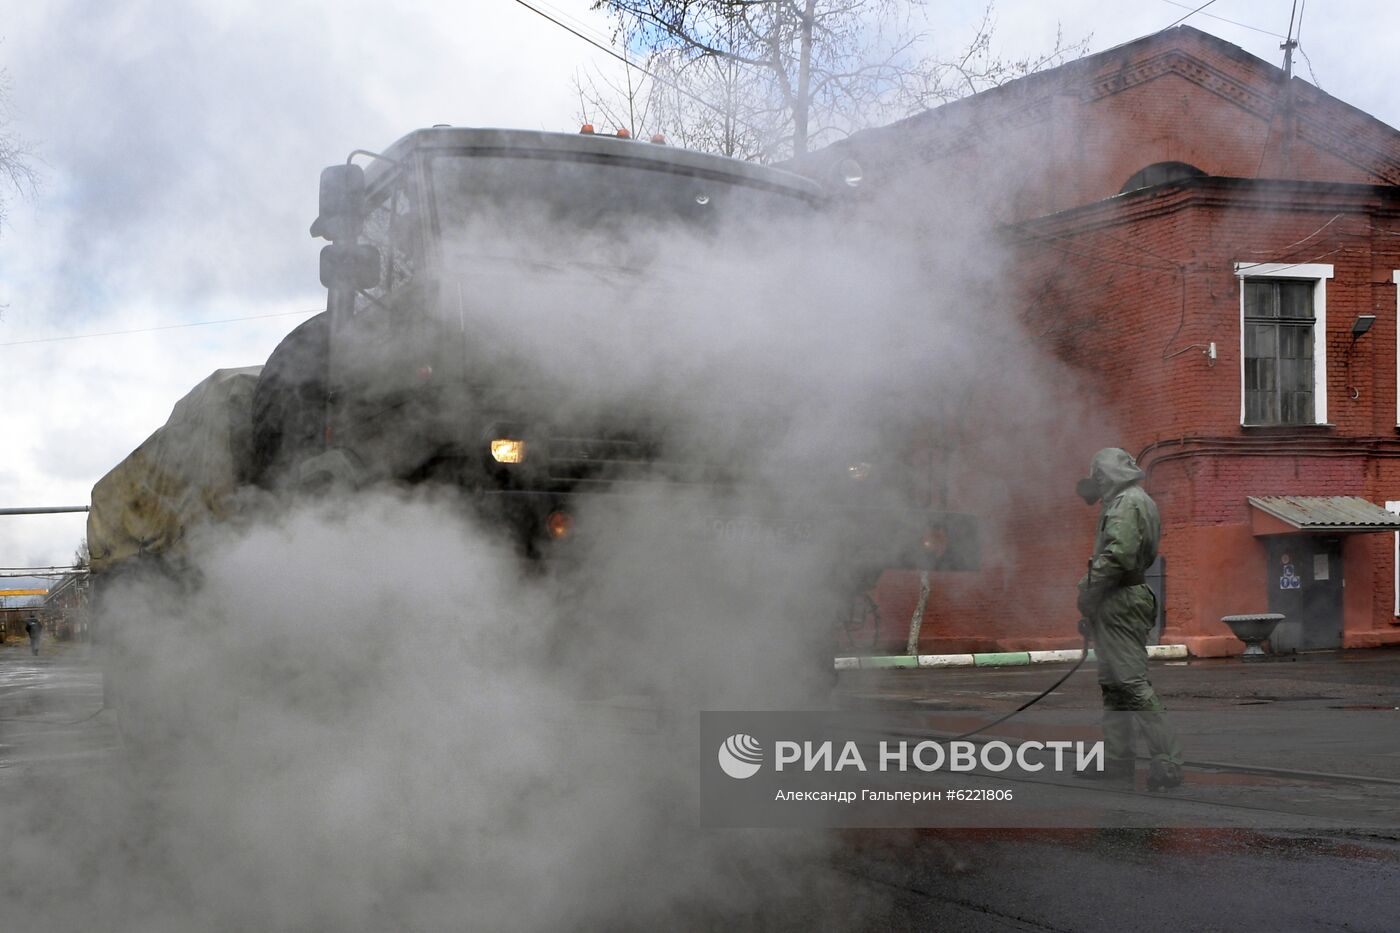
[1121,608]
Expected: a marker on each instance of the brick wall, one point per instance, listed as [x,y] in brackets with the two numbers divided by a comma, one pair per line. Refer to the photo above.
[1121,294]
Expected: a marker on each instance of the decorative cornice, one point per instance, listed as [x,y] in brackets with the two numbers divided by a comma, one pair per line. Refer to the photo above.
[1172,61]
[1209,192]
[1350,147]
[1178,62]
[1320,120]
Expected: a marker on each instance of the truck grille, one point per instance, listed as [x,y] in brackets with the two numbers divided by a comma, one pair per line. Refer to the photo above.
[598,450]
[583,459]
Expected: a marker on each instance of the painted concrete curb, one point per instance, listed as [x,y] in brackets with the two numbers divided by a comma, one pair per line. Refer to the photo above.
[992,659]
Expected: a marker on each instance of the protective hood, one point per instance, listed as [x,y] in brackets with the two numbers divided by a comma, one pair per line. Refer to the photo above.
[1112,470]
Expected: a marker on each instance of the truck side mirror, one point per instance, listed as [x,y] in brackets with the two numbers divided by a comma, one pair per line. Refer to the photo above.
[342,204]
[353,264]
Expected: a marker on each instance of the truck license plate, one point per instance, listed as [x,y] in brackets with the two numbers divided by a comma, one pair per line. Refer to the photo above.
[747,530]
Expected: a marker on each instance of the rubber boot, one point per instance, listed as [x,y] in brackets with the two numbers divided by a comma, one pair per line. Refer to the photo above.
[1163,775]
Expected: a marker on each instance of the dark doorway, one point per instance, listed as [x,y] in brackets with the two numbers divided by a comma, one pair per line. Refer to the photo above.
[1305,584]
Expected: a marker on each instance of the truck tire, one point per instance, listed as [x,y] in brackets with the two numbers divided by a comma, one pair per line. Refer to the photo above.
[140,704]
[289,404]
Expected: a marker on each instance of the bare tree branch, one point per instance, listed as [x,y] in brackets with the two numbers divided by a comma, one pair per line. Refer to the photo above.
[745,59]
[16,154]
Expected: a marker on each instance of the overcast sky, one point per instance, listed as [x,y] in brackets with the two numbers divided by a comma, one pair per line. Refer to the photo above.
[180,144]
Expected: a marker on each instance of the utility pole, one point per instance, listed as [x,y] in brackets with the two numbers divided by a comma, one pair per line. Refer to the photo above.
[1289,119]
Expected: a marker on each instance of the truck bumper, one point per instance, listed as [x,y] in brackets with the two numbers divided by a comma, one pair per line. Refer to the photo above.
[857,537]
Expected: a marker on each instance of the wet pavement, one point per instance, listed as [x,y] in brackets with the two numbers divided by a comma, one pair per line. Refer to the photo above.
[1130,880]
[1327,712]
[1313,736]
[1324,681]
[51,719]
[1223,873]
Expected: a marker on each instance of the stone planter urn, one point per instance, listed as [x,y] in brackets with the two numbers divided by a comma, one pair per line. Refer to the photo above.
[1252,630]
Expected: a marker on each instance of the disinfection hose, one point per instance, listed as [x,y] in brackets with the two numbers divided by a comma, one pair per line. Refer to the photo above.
[1083,656]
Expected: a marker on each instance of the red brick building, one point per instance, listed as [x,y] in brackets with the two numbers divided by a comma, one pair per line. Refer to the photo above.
[1209,251]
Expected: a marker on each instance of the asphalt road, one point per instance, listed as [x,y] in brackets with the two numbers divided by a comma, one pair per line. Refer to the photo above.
[1060,879]
[1325,681]
[47,724]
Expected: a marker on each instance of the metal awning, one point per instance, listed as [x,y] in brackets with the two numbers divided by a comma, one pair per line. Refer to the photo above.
[1321,514]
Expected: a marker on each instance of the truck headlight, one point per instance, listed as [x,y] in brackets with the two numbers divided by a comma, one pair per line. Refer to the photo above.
[859,471]
[507,450]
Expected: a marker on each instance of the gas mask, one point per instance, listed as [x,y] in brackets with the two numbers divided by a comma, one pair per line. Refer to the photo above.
[1088,490]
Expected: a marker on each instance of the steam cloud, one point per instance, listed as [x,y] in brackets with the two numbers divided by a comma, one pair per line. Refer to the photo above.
[366,714]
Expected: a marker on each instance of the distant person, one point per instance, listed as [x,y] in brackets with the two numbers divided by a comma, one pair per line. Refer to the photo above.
[33,628]
[1121,609]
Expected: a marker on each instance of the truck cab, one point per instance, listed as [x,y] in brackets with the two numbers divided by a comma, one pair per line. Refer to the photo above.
[501,320]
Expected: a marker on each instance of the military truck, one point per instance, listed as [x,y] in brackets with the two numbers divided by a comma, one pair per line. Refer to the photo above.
[458,267]
[451,238]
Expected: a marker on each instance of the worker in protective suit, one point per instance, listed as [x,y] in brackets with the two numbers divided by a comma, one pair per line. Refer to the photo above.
[1120,609]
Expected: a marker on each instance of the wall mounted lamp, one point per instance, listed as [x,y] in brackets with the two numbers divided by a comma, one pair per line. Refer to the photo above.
[1359,327]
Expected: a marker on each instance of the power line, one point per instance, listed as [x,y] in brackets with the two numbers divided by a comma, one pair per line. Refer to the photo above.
[1275,268]
[1284,249]
[1232,22]
[1312,74]
[1180,268]
[631,64]
[146,330]
[591,41]
[1298,41]
[577,23]
[1191,14]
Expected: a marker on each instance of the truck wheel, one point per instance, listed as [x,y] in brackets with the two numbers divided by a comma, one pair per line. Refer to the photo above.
[289,404]
[139,703]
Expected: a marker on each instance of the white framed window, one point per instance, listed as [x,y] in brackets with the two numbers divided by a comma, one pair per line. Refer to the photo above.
[1395,565]
[1283,339]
